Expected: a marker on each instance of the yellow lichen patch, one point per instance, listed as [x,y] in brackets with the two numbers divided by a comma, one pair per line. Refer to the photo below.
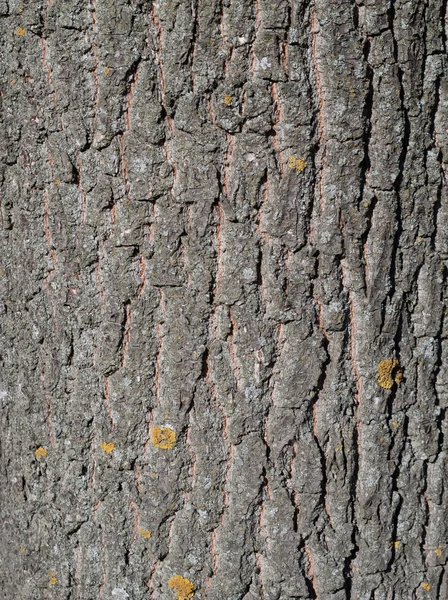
[40,452]
[339,447]
[107,70]
[397,544]
[145,533]
[20,31]
[163,437]
[52,578]
[299,164]
[22,549]
[396,424]
[227,99]
[438,551]
[183,587]
[389,372]
[107,447]
[426,586]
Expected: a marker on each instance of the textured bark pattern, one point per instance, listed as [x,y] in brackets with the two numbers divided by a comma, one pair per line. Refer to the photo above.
[218,218]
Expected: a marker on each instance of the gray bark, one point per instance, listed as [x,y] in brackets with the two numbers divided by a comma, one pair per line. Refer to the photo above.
[223,300]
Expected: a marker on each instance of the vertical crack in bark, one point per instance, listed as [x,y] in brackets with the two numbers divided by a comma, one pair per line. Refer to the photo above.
[285,44]
[192,453]
[142,275]
[49,415]
[98,275]
[151,577]
[126,326]
[232,350]
[52,253]
[443,20]
[48,69]
[76,576]
[216,282]
[394,480]
[191,54]
[351,332]
[365,166]
[402,160]
[131,81]
[225,506]
[81,189]
[171,518]
[106,396]
[364,239]
[442,184]
[48,237]
[278,116]
[96,94]
[135,519]
[137,477]
[320,109]
[264,488]
[319,389]
[440,414]
[158,52]
[258,26]
[228,165]
[159,352]
[424,497]
[310,578]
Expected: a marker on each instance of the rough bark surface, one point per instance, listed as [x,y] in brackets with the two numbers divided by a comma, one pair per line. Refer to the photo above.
[219,218]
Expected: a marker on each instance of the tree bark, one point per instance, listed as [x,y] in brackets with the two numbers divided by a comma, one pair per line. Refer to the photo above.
[223,300]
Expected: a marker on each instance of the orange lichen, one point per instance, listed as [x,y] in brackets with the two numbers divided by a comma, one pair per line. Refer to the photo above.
[438,551]
[227,99]
[52,577]
[163,437]
[20,31]
[145,533]
[183,587]
[426,586]
[397,544]
[396,424]
[107,70]
[58,181]
[40,452]
[107,447]
[299,164]
[389,372]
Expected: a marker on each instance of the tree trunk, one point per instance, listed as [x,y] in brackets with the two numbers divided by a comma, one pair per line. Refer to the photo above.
[224,319]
